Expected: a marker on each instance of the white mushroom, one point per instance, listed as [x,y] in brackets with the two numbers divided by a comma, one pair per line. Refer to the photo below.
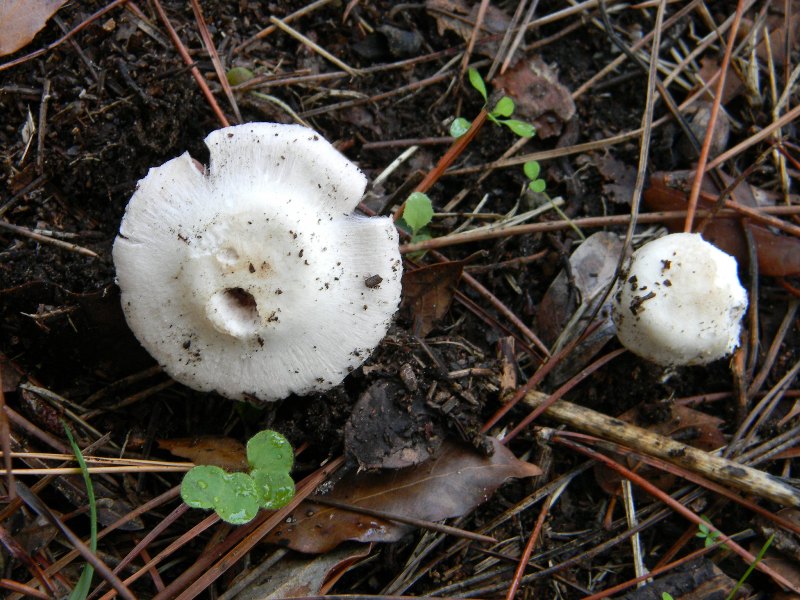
[679,302]
[255,278]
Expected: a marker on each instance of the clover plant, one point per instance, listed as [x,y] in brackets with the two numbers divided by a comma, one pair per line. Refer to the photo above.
[237,497]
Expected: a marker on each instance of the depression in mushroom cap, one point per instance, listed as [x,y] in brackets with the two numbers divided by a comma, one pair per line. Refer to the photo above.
[254,277]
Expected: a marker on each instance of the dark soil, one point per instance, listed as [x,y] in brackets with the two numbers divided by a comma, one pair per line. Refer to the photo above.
[119,100]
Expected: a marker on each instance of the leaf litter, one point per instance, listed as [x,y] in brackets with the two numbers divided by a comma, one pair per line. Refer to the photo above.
[123,70]
[20,21]
[450,485]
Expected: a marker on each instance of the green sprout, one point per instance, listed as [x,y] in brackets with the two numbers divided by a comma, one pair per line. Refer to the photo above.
[237,497]
[750,568]
[705,533]
[499,114]
[532,169]
[81,589]
[418,211]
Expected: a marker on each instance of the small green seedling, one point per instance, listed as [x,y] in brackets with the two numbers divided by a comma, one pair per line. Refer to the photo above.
[418,212]
[750,568]
[237,497]
[666,596]
[705,533]
[82,588]
[532,169]
[499,114]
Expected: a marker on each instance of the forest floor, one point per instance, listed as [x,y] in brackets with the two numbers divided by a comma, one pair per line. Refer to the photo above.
[500,400]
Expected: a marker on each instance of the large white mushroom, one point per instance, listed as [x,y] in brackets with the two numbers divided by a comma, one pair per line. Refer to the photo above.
[679,302]
[254,278]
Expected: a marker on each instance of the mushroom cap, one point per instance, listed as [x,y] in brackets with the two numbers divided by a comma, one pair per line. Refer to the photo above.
[250,278]
[680,302]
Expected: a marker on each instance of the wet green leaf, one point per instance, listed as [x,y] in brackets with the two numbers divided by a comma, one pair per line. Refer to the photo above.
[203,486]
[238,502]
[274,489]
[270,451]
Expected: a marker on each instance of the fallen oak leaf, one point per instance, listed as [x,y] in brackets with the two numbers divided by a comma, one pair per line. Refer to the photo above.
[459,16]
[450,485]
[20,22]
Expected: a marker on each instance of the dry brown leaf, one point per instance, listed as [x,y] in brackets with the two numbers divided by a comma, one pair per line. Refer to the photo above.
[776,25]
[700,579]
[459,16]
[450,485]
[592,268]
[428,293]
[778,255]
[223,452]
[304,576]
[538,95]
[21,20]
[619,178]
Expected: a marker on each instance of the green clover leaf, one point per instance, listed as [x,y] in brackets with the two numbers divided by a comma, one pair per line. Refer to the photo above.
[275,489]
[270,451]
[232,495]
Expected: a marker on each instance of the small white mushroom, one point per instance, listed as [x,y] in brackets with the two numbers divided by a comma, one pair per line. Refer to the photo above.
[254,278]
[679,302]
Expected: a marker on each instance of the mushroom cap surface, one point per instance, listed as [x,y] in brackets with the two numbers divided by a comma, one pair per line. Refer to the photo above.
[680,302]
[249,278]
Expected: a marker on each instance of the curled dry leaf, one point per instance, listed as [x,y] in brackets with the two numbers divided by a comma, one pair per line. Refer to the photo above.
[619,178]
[459,16]
[776,25]
[450,485]
[698,580]
[573,298]
[778,255]
[20,21]
[294,577]
[223,452]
